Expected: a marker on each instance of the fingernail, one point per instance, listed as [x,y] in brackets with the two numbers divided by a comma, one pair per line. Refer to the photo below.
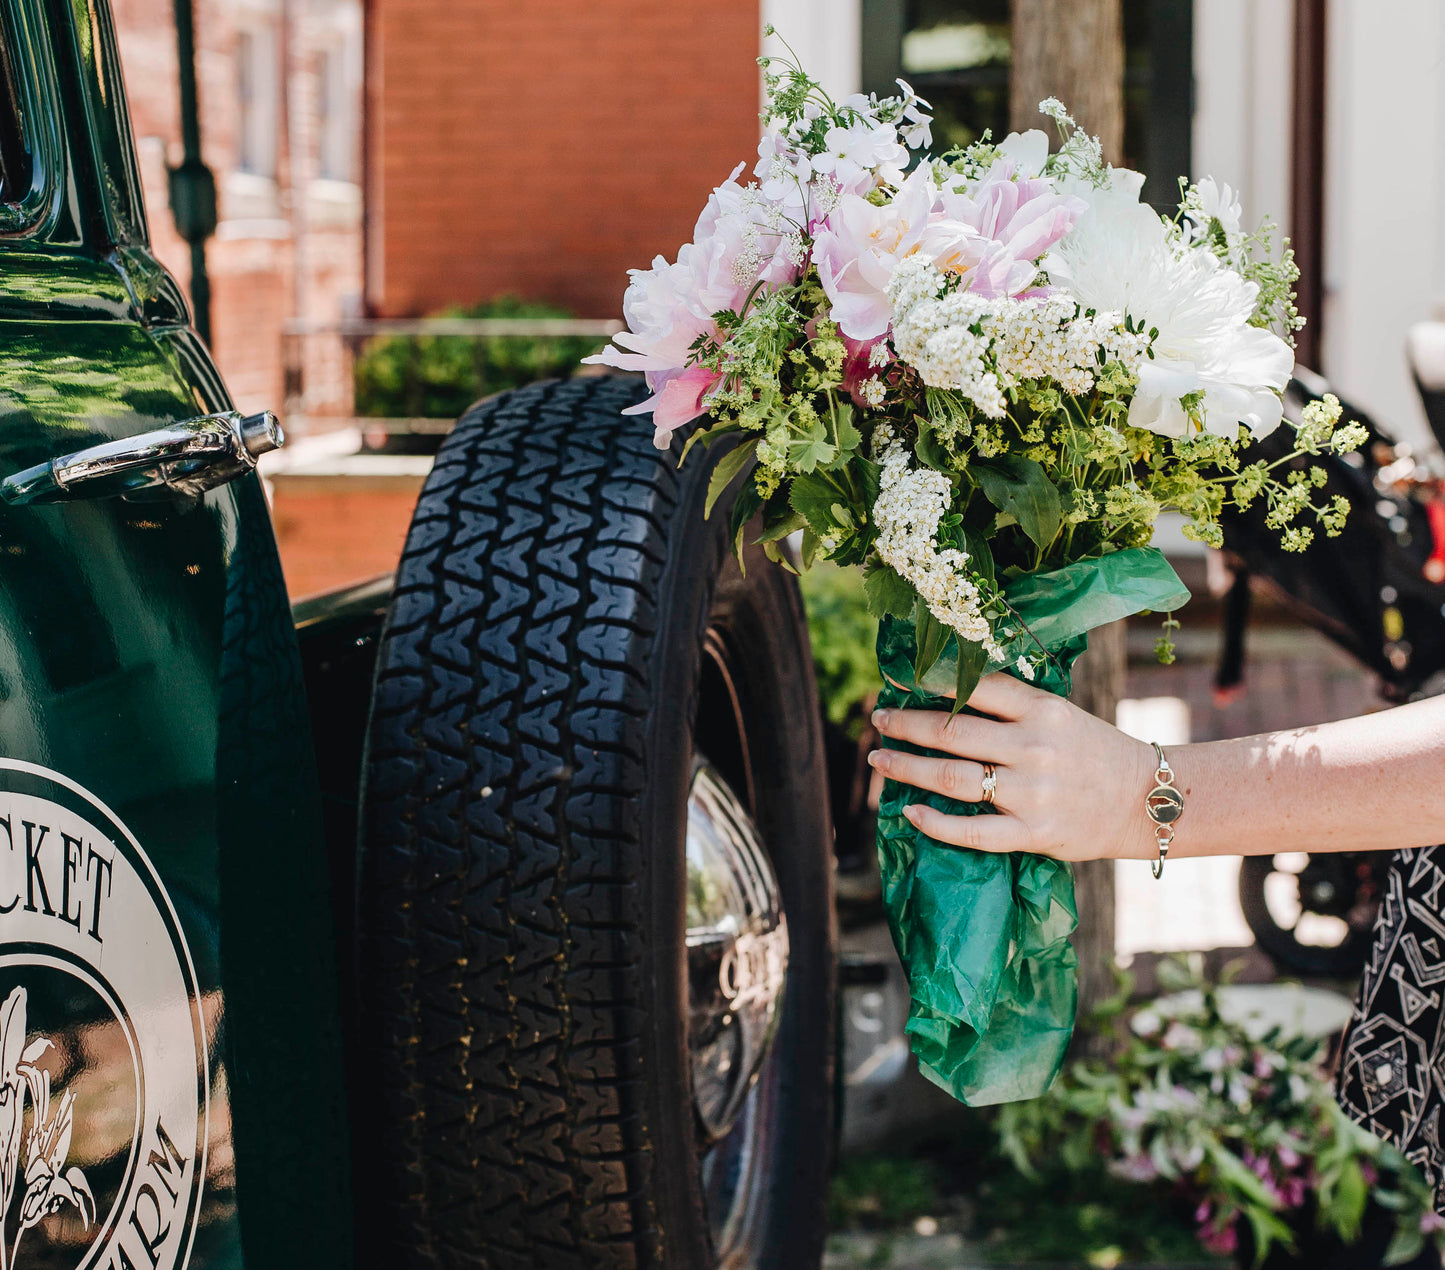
[911,811]
[878,759]
[880,719]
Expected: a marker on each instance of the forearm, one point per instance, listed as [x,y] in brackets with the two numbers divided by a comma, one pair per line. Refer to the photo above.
[1370,783]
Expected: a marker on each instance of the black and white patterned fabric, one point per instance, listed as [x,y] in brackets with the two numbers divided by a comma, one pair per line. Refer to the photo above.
[1392,1059]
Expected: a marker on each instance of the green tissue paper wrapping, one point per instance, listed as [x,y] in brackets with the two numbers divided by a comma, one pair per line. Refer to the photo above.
[984,938]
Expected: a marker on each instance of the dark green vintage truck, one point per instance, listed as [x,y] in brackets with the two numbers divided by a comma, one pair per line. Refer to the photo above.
[482,918]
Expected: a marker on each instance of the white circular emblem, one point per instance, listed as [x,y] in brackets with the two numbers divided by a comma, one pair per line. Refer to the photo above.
[104,1072]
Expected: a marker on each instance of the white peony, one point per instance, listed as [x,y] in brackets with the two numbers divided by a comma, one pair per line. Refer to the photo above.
[1120,256]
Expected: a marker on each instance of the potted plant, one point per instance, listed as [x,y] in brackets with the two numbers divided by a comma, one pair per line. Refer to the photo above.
[1237,1126]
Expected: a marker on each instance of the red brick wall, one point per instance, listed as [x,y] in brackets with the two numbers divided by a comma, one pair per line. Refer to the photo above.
[543,148]
[254,257]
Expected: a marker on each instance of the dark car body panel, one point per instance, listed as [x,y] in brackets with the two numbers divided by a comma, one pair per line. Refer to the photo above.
[147,656]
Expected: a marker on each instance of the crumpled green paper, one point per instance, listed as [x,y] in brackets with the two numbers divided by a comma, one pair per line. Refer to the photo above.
[984,938]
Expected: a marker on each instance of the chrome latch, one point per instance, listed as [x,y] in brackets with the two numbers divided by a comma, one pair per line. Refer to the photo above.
[188,458]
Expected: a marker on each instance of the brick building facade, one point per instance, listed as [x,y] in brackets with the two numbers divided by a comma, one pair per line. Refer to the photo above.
[280,101]
[536,149]
[544,148]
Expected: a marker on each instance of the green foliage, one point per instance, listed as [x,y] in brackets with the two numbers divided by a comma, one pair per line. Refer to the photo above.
[439,376]
[1084,1217]
[844,636]
[1243,1126]
[1022,489]
[874,1192]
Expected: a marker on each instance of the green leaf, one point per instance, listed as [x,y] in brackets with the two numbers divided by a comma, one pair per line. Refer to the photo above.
[806,453]
[1347,1207]
[871,475]
[887,592]
[812,497]
[1406,1244]
[789,523]
[706,436]
[1022,489]
[932,636]
[971,662]
[727,468]
[980,555]
[1268,1230]
[809,553]
[849,438]
[778,556]
[745,507]
[929,450]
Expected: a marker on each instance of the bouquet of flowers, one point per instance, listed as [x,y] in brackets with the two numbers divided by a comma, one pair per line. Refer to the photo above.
[980,376]
[1236,1124]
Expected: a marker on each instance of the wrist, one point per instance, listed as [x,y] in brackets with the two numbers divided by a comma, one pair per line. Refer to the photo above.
[1137,840]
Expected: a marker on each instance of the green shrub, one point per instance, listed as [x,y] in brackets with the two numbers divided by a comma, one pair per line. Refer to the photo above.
[844,634]
[439,376]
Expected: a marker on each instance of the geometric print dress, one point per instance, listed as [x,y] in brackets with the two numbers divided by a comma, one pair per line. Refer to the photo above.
[1391,1075]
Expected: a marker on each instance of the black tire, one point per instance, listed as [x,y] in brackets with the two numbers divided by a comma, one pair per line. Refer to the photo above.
[1331,961]
[548,674]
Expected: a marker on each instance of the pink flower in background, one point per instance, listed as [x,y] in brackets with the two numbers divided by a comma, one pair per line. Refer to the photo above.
[783,171]
[1135,1168]
[1221,1240]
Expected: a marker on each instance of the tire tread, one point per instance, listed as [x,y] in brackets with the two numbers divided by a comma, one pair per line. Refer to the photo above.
[502,932]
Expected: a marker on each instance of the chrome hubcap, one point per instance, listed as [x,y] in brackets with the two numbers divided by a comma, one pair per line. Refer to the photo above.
[737,957]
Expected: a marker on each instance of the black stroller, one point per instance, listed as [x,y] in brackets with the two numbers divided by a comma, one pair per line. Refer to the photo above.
[1378,591]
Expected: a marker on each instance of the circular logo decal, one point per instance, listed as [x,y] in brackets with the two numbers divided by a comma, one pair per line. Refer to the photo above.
[104,1071]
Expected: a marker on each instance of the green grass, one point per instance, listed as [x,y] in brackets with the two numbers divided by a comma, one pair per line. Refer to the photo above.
[882,1192]
[1089,1219]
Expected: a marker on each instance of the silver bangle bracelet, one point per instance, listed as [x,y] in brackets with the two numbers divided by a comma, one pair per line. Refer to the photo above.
[1163,805]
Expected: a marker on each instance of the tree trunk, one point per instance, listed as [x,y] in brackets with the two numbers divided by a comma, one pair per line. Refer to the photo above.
[1098,685]
[1074,50]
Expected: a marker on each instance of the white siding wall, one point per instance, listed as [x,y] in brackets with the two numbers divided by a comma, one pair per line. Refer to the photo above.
[1242,101]
[825,35]
[1384,208]
[1385,180]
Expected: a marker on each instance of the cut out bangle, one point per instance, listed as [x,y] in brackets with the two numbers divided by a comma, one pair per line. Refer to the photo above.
[1163,806]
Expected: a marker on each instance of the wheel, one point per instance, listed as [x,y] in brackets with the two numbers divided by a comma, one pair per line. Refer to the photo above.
[1313,915]
[595,925]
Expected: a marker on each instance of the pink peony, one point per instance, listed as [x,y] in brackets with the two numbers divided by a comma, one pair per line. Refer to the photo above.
[678,401]
[668,307]
[861,246]
[858,366]
[1016,221]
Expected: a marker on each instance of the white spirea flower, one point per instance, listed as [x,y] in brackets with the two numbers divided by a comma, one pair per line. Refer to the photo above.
[873,392]
[982,346]
[911,503]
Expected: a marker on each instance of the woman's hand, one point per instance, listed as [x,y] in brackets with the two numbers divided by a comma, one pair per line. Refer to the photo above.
[1069,785]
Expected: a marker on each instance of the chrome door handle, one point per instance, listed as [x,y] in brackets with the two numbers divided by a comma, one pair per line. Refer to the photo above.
[190,457]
